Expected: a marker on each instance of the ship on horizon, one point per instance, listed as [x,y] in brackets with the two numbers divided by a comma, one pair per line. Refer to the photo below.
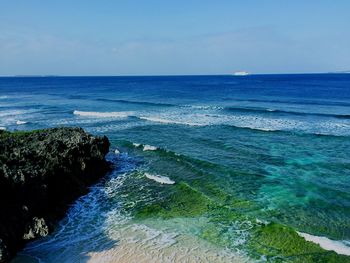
[241,73]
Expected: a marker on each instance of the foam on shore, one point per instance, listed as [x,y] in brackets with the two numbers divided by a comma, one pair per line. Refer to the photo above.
[327,244]
[141,243]
[160,179]
[116,114]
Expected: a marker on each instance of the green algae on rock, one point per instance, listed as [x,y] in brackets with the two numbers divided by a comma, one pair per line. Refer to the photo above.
[185,202]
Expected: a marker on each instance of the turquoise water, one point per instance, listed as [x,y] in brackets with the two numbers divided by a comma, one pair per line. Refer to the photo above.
[254,159]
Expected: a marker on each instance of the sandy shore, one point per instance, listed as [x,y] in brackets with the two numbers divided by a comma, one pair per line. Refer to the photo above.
[142,243]
[185,249]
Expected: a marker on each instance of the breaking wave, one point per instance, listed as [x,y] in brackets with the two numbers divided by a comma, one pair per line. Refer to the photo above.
[168,121]
[145,147]
[159,178]
[20,122]
[122,114]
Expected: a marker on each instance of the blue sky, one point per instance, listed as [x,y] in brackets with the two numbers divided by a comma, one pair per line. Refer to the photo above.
[129,37]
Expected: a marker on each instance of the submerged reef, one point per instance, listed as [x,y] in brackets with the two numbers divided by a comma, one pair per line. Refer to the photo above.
[41,173]
[277,242]
[264,241]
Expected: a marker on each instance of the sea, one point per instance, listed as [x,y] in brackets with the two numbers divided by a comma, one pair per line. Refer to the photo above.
[205,168]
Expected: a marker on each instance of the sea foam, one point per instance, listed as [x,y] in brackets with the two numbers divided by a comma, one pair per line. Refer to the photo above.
[160,179]
[338,246]
[121,114]
[2,129]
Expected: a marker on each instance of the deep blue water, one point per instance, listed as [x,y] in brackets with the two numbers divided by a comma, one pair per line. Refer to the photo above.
[281,142]
[302,103]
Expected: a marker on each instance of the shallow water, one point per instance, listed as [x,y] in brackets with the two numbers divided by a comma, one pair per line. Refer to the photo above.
[242,151]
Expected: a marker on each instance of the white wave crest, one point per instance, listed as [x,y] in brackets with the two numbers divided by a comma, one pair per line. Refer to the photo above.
[338,246]
[147,147]
[2,129]
[20,122]
[3,97]
[122,114]
[159,178]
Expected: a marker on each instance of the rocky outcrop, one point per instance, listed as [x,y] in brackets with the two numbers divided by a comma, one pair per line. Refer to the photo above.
[41,173]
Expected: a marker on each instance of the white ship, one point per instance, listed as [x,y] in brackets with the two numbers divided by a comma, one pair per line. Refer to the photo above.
[241,73]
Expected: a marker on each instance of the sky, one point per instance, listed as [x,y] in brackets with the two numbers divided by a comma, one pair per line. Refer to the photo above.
[182,37]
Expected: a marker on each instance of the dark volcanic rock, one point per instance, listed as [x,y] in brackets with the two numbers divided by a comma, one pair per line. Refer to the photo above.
[41,173]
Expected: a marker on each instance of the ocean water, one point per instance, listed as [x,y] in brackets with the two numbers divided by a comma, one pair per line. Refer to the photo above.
[207,168]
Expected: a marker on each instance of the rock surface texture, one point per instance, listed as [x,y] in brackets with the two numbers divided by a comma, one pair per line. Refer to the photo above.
[41,173]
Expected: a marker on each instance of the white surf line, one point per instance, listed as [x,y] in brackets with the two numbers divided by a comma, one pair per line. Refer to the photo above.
[2,129]
[327,244]
[160,179]
[121,114]
[166,121]
[154,119]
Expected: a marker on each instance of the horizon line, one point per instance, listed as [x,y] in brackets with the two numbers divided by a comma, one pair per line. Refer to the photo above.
[166,75]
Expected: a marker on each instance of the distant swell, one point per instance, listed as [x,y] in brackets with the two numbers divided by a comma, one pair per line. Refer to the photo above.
[145,103]
[283,131]
[298,102]
[282,112]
